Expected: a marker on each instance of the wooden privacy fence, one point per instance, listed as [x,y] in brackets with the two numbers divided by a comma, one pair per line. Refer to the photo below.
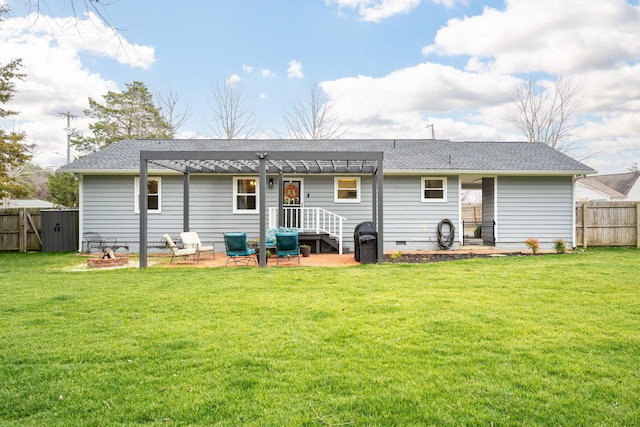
[608,224]
[20,230]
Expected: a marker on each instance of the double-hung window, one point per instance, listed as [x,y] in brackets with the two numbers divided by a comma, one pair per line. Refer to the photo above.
[245,195]
[346,189]
[434,189]
[154,199]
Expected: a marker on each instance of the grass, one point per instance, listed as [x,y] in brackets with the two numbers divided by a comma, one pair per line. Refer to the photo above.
[535,341]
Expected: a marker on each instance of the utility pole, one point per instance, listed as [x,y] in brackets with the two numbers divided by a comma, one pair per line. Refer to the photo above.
[69,116]
[433,132]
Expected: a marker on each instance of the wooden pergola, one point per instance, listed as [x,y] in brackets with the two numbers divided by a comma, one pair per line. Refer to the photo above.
[262,162]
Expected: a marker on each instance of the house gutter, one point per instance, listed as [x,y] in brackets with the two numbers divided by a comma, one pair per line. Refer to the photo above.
[490,172]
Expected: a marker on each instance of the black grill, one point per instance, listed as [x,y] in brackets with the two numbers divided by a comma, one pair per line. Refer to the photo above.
[365,239]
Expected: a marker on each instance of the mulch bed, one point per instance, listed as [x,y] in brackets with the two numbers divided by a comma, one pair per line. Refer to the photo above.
[440,257]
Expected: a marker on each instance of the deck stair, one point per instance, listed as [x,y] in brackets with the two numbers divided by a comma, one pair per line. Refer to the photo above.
[316,225]
[321,242]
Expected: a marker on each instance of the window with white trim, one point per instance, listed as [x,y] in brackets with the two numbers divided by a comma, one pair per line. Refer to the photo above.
[346,189]
[154,199]
[245,195]
[434,189]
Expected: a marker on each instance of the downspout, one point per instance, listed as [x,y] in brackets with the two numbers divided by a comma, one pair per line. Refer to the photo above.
[460,221]
[573,211]
[80,211]
[495,211]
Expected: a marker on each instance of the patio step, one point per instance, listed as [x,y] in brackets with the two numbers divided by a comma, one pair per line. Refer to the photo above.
[316,240]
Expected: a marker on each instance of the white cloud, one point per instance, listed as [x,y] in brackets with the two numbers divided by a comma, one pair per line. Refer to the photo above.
[614,89]
[426,87]
[247,68]
[545,35]
[267,73]
[295,70]
[263,95]
[450,3]
[57,81]
[88,34]
[377,10]
[233,79]
[594,43]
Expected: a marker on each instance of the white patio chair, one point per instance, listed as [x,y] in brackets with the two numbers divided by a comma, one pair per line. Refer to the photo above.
[191,239]
[176,252]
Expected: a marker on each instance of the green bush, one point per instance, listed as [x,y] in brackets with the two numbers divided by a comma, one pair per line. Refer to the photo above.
[560,246]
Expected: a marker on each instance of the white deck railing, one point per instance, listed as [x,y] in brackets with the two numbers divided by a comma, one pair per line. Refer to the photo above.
[316,220]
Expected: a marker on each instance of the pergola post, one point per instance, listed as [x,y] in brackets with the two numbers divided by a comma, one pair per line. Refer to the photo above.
[262,195]
[280,198]
[185,201]
[379,174]
[142,203]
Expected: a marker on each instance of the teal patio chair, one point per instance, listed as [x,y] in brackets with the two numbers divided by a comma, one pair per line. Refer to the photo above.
[287,245]
[238,249]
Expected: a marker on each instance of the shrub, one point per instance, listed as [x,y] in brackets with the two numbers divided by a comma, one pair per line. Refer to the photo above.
[533,244]
[560,246]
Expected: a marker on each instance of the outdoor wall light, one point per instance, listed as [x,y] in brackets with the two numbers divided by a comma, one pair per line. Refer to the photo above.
[270,182]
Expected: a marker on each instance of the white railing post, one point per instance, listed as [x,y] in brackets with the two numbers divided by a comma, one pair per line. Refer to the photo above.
[340,236]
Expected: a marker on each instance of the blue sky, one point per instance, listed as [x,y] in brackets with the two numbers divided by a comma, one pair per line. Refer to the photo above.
[389,67]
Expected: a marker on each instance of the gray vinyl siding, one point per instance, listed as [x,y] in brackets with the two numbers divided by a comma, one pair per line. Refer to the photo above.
[405,214]
[318,192]
[537,207]
[108,207]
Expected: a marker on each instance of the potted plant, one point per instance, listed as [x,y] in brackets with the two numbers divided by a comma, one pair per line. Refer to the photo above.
[305,250]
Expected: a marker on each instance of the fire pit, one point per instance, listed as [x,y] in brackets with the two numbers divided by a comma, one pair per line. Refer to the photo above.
[108,260]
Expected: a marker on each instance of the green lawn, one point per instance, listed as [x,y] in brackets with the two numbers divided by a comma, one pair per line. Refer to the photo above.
[535,341]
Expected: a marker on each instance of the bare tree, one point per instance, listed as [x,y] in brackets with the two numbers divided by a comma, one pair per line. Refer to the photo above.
[169,109]
[78,7]
[312,117]
[547,115]
[232,118]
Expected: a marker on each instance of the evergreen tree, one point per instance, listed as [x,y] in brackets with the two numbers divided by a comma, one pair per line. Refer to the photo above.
[127,115]
[14,153]
[63,189]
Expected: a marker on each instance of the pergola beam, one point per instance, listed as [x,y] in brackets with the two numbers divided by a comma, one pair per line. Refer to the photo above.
[258,162]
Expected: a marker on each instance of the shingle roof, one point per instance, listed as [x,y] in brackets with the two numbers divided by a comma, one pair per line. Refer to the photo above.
[399,155]
[595,184]
[621,182]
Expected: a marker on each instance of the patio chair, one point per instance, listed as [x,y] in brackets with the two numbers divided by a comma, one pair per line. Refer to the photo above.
[287,245]
[238,249]
[177,252]
[94,241]
[191,239]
